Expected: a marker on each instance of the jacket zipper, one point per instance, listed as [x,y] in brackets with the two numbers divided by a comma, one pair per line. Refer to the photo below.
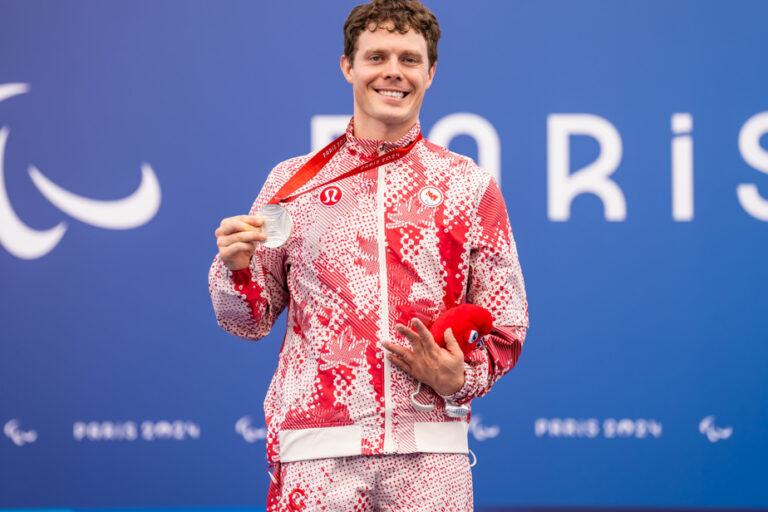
[389,441]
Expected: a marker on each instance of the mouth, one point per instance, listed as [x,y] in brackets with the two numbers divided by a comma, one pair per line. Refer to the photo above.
[392,93]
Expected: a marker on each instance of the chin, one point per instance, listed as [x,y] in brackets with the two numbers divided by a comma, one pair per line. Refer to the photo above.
[394,117]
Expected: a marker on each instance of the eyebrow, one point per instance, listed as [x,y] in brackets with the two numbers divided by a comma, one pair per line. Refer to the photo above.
[406,53]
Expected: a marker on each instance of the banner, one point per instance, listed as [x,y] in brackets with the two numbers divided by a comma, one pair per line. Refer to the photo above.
[630,141]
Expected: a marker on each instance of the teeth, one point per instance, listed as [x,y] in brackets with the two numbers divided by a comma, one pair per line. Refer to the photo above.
[393,94]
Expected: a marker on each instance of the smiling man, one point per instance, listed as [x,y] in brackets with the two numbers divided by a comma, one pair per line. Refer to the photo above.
[368,241]
[390,71]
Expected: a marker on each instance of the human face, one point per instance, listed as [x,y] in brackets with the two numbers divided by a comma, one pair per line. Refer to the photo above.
[389,76]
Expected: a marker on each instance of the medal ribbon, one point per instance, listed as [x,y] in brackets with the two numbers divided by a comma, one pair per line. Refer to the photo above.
[310,169]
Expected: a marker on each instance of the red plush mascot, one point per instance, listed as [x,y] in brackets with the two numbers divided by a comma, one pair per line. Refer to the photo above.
[469,323]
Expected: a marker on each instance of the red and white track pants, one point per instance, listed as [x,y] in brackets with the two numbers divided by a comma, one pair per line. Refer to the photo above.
[411,482]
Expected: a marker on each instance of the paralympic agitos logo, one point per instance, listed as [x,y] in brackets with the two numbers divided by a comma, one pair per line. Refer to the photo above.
[27,243]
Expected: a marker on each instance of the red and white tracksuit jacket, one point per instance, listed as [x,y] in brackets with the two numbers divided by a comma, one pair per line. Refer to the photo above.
[399,241]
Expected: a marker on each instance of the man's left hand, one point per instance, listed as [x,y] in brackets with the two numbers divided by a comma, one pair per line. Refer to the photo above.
[442,369]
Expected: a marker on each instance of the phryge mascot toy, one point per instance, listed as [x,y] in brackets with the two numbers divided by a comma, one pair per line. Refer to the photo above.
[469,323]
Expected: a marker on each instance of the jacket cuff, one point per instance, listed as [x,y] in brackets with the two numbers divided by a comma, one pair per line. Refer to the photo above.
[246,284]
[466,392]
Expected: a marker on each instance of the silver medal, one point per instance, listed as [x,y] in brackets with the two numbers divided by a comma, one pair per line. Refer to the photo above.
[277,224]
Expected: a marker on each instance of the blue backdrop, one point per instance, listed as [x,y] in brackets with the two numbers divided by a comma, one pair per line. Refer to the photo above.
[630,142]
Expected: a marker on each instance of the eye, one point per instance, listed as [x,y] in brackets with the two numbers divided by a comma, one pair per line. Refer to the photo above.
[473,335]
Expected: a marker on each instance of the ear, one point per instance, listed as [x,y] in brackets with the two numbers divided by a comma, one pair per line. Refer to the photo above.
[346,68]
[431,75]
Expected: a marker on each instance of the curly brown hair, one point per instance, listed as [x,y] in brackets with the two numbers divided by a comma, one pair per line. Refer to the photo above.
[392,15]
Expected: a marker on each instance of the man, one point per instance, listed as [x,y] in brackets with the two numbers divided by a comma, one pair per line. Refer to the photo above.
[410,230]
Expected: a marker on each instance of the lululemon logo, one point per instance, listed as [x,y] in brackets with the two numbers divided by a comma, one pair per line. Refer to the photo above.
[27,243]
[430,196]
[329,196]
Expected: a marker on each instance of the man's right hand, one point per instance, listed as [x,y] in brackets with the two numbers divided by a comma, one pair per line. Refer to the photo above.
[237,238]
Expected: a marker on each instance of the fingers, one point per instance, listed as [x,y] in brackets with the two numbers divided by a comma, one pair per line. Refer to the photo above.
[400,356]
[257,235]
[421,339]
[412,336]
[426,341]
[401,352]
[400,363]
[239,229]
[231,250]
[421,329]
[253,221]
[237,238]
[239,223]
[451,343]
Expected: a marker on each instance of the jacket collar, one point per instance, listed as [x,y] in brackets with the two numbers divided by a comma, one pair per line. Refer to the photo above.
[370,148]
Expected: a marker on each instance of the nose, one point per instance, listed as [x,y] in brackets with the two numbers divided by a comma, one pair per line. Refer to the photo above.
[392,69]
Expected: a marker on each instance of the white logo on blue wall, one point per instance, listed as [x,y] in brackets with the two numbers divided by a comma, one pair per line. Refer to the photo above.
[481,432]
[28,243]
[250,434]
[163,430]
[18,436]
[714,433]
[592,428]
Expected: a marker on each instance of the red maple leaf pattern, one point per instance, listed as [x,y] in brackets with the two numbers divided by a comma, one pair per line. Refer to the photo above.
[410,213]
[368,259]
[344,350]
